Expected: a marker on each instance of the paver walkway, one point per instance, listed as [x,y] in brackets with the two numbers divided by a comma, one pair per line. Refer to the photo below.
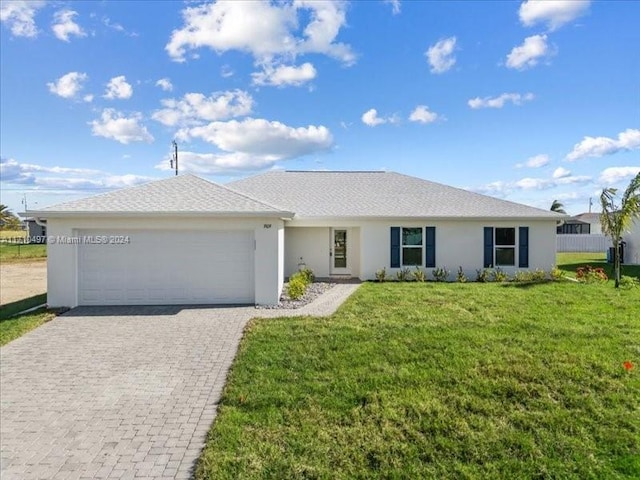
[121,392]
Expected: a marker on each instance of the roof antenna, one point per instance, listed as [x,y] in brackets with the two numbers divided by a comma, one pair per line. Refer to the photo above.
[174,158]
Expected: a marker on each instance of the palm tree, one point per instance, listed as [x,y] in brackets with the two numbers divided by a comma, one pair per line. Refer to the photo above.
[558,207]
[6,217]
[617,219]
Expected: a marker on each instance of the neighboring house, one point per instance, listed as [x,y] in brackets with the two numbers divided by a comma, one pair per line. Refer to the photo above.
[185,240]
[583,223]
[34,230]
[573,226]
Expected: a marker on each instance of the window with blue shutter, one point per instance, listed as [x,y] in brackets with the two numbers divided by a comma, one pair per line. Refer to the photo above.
[523,250]
[395,247]
[488,247]
[430,247]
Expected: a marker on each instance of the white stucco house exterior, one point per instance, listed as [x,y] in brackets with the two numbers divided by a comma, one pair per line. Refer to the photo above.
[186,240]
[632,244]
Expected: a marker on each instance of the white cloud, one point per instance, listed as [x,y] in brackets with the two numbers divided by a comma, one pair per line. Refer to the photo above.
[64,25]
[226,71]
[500,101]
[41,177]
[370,118]
[212,163]
[547,183]
[88,98]
[118,88]
[69,85]
[440,55]
[19,15]
[395,6]
[529,53]
[611,176]
[561,172]
[284,75]
[554,13]
[266,30]
[601,146]
[116,126]
[422,114]
[117,27]
[271,140]
[195,108]
[536,161]
[503,189]
[165,84]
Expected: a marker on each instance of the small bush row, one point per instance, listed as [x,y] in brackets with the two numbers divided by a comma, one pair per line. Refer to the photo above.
[441,274]
[298,283]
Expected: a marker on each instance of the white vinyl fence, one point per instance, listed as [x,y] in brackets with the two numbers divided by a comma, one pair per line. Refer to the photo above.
[582,243]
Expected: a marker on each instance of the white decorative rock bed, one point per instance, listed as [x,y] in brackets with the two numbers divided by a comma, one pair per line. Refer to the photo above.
[314,290]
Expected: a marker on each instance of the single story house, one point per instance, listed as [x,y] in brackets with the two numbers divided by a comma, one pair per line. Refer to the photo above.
[583,223]
[35,230]
[186,240]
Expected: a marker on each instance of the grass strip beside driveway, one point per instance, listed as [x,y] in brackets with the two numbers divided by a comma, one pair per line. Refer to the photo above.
[13,326]
[438,381]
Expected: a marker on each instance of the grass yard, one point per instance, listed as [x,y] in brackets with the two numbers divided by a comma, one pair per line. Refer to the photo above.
[13,252]
[13,327]
[569,262]
[438,381]
[13,234]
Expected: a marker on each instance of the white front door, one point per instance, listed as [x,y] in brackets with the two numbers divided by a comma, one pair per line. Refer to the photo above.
[340,251]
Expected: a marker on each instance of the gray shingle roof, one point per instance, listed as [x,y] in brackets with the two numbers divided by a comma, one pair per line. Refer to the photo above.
[377,194]
[179,194]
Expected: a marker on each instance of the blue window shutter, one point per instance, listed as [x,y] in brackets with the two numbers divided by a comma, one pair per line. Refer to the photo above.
[488,247]
[523,250]
[430,244]
[395,247]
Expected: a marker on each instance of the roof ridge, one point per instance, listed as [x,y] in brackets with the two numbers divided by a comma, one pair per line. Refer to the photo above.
[242,194]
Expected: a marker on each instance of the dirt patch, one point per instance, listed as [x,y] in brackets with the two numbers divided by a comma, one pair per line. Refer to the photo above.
[22,280]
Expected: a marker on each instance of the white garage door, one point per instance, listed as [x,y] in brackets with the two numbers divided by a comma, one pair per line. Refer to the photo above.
[166,268]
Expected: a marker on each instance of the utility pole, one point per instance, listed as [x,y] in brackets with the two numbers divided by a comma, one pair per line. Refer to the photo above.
[174,157]
[590,204]
[24,201]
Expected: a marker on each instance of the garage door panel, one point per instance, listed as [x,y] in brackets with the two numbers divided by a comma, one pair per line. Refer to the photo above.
[163,267]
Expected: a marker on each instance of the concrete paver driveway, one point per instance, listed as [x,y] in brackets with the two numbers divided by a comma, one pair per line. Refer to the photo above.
[115,392]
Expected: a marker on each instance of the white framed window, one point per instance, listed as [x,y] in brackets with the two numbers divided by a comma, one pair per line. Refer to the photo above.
[412,243]
[505,247]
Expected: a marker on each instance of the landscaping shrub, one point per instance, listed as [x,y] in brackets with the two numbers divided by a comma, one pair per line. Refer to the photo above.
[298,283]
[307,275]
[538,275]
[297,286]
[629,282]
[381,275]
[499,275]
[418,275]
[482,275]
[589,274]
[440,274]
[461,277]
[403,275]
[555,273]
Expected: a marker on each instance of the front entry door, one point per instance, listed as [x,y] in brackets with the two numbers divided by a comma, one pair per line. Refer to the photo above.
[340,252]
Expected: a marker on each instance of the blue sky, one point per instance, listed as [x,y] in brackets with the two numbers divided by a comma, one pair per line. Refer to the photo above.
[529,101]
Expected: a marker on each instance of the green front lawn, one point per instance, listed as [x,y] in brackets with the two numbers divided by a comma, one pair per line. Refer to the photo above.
[12,327]
[438,381]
